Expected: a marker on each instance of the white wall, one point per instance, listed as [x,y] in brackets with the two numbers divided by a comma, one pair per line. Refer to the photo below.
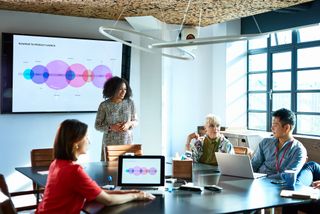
[190,96]
[236,80]
[201,86]
[151,112]
[172,96]
[236,85]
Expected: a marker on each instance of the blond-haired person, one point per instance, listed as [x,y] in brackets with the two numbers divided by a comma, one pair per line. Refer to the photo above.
[204,148]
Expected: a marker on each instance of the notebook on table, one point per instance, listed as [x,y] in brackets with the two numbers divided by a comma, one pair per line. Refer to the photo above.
[146,173]
[236,165]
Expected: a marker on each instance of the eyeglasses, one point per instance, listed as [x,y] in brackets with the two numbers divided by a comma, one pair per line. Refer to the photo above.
[213,126]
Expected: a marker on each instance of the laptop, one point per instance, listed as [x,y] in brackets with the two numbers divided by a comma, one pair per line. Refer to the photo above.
[236,165]
[146,173]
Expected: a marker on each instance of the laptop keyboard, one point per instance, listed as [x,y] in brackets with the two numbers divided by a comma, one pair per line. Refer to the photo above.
[140,188]
[151,190]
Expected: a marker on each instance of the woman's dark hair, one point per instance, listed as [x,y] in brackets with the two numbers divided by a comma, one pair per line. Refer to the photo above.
[112,85]
[286,117]
[69,132]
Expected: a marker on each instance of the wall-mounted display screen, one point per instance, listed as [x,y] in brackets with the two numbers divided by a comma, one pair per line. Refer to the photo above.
[54,74]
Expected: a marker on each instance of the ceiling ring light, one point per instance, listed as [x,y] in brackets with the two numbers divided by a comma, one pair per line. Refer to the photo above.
[207,40]
[187,55]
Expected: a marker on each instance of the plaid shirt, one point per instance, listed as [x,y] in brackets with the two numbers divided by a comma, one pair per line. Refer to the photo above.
[197,147]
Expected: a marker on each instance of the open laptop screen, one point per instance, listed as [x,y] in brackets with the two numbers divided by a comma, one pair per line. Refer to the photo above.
[147,170]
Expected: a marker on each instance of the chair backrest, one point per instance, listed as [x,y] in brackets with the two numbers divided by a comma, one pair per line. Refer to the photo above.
[113,152]
[6,206]
[241,150]
[41,157]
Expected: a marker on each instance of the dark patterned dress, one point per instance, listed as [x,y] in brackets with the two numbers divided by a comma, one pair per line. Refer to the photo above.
[111,113]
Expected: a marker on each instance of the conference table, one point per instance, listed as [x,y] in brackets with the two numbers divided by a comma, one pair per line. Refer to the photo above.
[238,194]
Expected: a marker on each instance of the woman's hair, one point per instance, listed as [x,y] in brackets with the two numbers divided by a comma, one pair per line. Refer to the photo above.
[69,132]
[211,119]
[112,85]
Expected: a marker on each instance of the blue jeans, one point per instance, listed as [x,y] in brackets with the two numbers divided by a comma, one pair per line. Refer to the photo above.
[310,172]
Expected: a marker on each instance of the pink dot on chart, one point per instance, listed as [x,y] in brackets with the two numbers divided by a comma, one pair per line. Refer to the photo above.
[87,76]
[101,74]
[152,171]
[144,170]
[57,70]
[108,75]
[136,170]
[79,71]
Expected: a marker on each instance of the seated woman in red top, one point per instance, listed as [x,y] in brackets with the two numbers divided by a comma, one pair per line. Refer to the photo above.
[68,185]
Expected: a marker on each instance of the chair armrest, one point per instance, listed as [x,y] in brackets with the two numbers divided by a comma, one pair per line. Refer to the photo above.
[28,192]
[30,207]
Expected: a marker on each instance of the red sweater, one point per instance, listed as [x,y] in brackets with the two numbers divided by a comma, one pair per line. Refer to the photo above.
[68,186]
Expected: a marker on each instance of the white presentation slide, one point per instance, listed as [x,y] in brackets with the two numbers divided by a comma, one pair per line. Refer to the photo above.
[141,171]
[53,74]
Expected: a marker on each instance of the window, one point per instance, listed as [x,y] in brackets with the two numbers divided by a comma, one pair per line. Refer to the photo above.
[258,62]
[308,34]
[284,72]
[307,57]
[281,60]
[258,43]
[281,38]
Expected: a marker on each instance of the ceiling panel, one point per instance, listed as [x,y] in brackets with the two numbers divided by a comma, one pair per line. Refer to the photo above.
[205,12]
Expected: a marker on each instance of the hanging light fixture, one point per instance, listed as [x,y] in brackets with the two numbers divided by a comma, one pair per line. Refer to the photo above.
[206,41]
[159,46]
[179,53]
[182,54]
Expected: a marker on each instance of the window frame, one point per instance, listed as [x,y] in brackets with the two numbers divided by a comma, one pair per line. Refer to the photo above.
[270,50]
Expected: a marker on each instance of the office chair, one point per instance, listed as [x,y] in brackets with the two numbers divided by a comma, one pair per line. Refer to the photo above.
[41,157]
[241,150]
[113,152]
[7,206]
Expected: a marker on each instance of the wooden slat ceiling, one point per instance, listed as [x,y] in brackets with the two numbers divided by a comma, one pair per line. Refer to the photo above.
[168,11]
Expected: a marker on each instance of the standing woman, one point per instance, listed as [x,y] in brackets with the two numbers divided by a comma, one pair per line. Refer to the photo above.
[116,115]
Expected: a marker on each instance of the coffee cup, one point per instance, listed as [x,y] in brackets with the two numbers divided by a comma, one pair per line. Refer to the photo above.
[289,176]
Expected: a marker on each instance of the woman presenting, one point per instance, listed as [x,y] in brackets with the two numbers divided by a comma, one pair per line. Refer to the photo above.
[116,115]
